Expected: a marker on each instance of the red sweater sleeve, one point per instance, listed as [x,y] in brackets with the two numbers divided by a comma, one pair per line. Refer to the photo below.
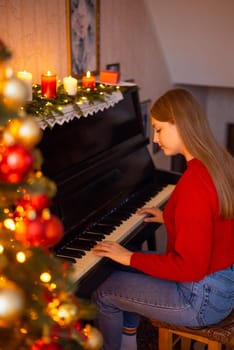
[192,221]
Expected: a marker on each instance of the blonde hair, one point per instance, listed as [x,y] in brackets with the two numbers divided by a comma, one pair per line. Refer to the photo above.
[179,106]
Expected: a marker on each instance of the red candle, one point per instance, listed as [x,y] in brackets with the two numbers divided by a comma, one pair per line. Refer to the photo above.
[88,81]
[48,85]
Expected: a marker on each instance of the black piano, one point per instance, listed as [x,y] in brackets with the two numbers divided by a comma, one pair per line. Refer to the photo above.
[104,173]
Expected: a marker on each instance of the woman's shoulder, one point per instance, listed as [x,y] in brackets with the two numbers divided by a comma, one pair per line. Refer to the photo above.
[195,168]
[197,177]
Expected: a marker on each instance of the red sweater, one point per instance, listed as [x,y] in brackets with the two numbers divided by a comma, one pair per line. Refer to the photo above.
[199,240]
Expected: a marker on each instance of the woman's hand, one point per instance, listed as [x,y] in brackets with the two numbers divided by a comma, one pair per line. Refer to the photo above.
[156,214]
[113,251]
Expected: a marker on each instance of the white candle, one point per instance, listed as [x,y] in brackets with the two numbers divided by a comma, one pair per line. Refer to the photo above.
[26,77]
[70,85]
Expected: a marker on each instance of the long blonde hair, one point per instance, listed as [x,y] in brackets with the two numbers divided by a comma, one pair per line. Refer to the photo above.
[179,106]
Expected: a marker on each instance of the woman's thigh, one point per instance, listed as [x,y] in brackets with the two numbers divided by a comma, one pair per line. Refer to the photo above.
[146,296]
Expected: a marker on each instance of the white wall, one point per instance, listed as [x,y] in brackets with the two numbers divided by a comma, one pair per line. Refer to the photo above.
[196,37]
[128,37]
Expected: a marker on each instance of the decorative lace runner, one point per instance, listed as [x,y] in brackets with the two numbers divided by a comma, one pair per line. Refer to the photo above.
[70,113]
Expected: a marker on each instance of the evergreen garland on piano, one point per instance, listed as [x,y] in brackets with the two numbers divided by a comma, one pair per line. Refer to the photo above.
[38,307]
[44,108]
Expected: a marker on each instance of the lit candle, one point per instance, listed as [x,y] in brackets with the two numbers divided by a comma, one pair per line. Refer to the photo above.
[70,85]
[88,81]
[48,85]
[26,77]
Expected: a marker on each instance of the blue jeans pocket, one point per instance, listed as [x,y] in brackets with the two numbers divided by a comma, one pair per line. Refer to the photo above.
[217,304]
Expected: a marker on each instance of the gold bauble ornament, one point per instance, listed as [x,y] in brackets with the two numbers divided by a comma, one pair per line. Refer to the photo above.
[11,302]
[24,131]
[64,314]
[94,337]
[15,92]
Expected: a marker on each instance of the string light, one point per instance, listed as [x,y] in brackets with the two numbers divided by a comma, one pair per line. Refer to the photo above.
[20,257]
[9,224]
[45,277]
[41,106]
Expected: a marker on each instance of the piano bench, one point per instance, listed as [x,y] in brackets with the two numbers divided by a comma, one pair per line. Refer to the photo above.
[217,337]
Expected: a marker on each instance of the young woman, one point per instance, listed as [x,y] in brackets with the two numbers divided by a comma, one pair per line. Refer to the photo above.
[192,283]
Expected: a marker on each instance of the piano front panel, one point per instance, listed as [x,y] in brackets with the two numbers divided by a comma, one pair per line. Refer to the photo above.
[69,147]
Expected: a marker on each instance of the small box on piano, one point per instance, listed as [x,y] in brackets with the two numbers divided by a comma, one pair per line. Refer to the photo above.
[109,77]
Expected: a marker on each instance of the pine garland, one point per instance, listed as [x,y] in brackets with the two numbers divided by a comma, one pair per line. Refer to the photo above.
[47,108]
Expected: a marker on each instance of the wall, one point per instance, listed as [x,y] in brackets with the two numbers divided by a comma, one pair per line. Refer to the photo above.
[128,37]
[36,32]
[196,37]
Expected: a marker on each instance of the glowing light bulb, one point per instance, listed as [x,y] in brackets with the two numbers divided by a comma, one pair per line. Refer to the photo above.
[20,257]
[45,277]
[9,224]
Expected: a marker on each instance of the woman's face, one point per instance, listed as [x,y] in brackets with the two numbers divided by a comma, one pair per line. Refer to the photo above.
[167,137]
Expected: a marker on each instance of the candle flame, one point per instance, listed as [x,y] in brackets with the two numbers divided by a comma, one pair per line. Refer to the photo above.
[88,74]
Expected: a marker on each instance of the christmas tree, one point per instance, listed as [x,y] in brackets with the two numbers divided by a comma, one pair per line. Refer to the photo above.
[38,306]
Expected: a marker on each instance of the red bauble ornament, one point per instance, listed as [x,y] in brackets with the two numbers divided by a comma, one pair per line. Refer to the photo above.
[36,202]
[39,201]
[30,231]
[39,232]
[40,344]
[53,231]
[15,162]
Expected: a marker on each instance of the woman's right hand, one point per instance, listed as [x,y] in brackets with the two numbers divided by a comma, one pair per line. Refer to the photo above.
[152,214]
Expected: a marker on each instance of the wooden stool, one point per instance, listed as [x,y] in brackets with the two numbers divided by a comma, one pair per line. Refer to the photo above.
[214,336]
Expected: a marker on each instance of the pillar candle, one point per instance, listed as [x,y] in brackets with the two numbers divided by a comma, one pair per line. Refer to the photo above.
[70,85]
[48,85]
[26,77]
[88,81]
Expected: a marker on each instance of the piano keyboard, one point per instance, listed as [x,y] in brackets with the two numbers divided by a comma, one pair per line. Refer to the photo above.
[86,261]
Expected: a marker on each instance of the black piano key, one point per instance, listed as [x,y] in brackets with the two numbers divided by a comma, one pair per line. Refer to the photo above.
[71,253]
[78,251]
[82,244]
[66,258]
[103,228]
[93,235]
[120,215]
[112,222]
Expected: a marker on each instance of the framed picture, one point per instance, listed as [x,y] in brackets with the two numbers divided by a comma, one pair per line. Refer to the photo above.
[83,29]
[114,67]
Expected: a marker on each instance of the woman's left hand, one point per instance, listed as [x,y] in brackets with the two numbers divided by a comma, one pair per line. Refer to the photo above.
[113,251]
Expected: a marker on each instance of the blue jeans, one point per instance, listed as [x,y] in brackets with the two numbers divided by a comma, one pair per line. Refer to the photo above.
[126,295]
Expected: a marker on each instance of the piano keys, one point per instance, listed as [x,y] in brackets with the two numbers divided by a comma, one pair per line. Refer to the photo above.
[118,230]
[104,173]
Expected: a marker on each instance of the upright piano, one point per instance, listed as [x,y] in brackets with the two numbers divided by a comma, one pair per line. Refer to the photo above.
[104,172]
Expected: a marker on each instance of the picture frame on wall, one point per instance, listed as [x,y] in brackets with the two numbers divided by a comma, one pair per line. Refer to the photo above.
[113,67]
[83,27]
